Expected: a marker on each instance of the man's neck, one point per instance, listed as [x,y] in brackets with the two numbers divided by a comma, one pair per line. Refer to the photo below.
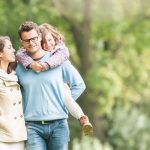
[38,54]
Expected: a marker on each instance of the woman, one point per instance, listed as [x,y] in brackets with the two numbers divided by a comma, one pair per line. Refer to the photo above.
[12,125]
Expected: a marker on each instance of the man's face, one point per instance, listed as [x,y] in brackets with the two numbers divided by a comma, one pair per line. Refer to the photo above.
[31,41]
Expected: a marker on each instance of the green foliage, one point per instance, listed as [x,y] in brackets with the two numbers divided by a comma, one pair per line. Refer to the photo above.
[87,143]
[106,85]
[121,75]
[25,10]
[128,128]
[120,71]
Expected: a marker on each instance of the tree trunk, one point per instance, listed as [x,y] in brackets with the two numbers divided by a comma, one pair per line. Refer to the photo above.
[82,35]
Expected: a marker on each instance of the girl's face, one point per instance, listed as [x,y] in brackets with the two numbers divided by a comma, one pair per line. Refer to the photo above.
[8,54]
[49,42]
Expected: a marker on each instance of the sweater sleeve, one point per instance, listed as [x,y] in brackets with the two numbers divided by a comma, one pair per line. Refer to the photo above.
[72,77]
[23,58]
[59,55]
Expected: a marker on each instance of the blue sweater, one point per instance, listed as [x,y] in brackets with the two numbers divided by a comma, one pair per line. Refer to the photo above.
[43,93]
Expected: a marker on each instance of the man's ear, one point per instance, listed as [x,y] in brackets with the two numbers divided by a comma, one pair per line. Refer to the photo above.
[21,42]
[40,37]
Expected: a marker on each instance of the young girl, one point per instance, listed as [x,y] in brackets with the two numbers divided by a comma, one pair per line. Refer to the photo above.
[52,41]
[12,124]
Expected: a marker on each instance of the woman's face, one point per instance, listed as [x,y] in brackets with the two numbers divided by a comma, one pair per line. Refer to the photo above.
[8,54]
[49,42]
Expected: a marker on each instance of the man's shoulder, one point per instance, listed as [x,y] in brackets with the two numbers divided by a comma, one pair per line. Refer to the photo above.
[66,63]
[67,66]
[18,67]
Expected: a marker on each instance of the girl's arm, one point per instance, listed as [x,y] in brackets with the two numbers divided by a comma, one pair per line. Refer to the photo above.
[23,58]
[59,55]
[72,106]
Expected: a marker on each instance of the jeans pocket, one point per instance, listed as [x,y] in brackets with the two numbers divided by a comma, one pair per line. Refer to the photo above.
[62,130]
[63,123]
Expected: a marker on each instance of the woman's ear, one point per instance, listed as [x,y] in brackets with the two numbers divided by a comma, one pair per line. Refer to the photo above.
[1,54]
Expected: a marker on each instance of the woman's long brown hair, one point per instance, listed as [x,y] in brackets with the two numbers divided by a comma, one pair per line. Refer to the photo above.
[11,65]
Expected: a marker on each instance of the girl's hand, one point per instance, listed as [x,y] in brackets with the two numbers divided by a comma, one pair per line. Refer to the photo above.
[36,66]
[45,66]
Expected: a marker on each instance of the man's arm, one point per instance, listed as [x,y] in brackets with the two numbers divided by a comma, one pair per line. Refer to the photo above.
[73,79]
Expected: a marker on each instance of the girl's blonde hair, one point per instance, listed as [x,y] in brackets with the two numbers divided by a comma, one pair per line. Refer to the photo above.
[46,28]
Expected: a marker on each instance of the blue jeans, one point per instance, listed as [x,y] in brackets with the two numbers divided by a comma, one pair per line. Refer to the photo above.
[52,136]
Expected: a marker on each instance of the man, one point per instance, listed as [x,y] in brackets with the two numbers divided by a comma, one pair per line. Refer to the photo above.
[44,110]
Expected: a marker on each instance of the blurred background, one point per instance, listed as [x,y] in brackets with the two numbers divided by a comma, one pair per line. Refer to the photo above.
[109,43]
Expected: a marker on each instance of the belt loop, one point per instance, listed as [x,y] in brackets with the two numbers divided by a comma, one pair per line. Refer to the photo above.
[43,122]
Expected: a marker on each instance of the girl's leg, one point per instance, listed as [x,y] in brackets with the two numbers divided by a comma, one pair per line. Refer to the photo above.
[76,111]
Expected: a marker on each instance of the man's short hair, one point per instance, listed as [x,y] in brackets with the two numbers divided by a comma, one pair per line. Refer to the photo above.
[28,26]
